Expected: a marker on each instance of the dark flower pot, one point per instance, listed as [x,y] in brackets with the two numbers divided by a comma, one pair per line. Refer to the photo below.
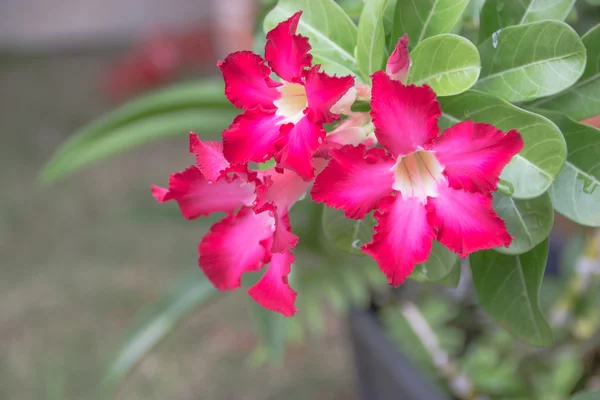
[383,372]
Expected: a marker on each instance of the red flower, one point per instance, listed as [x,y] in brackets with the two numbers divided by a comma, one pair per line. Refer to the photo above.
[256,230]
[281,119]
[424,186]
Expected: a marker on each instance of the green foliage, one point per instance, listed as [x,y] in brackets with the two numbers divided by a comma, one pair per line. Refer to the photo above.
[448,63]
[438,267]
[176,109]
[581,100]
[575,193]
[528,221]
[370,50]
[531,172]
[154,325]
[526,62]
[425,18]
[347,234]
[498,14]
[331,32]
[508,288]
[593,395]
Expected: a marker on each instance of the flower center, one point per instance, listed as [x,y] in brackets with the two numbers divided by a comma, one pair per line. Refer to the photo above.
[417,175]
[292,102]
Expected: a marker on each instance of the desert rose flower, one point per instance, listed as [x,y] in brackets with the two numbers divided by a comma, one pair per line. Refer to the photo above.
[423,185]
[281,119]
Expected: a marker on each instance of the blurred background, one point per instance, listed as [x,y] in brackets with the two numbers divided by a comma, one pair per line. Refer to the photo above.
[80,258]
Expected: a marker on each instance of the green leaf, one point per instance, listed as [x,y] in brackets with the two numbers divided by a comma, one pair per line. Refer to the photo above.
[576,191]
[508,288]
[528,221]
[531,172]
[526,62]
[347,234]
[133,134]
[370,50]
[425,18]
[498,14]
[331,32]
[581,100]
[439,265]
[593,395]
[154,325]
[448,63]
[453,278]
[205,94]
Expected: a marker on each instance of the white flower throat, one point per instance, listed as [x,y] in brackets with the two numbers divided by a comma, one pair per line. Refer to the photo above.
[292,102]
[418,175]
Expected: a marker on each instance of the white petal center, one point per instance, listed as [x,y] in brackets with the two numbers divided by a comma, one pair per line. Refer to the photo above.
[418,175]
[292,102]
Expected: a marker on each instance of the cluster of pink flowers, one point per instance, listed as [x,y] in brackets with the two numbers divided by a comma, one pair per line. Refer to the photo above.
[423,185]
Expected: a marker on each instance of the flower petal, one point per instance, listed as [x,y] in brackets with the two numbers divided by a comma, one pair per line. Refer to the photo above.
[355,180]
[324,91]
[297,145]
[209,157]
[405,117]
[196,196]
[402,239]
[287,52]
[284,188]
[247,82]
[466,222]
[398,64]
[251,137]
[273,291]
[473,155]
[236,244]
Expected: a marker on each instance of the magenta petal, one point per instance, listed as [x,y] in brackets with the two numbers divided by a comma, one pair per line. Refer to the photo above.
[251,137]
[283,238]
[466,222]
[209,157]
[287,52]
[323,91]
[355,180]
[273,291]
[247,82]
[196,196]
[473,155]
[398,64]
[402,239]
[405,117]
[297,145]
[284,188]
[235,245]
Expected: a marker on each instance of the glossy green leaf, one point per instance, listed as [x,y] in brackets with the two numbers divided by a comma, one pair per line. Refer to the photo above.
[425,18]
[331,32]
[453,278]
[576,191]
[347,234]
[439,265]
[448,63]
[370,49]
[508,288]
[531,172]
[128,136]
[388,22]
[581,100]
[593,395]
[154,325]
[526,62]
[528,221]
[498,14]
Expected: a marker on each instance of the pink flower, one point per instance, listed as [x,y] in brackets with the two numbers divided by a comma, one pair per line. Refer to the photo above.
[256,229]
[281,119]
[423,185]
[398,64]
